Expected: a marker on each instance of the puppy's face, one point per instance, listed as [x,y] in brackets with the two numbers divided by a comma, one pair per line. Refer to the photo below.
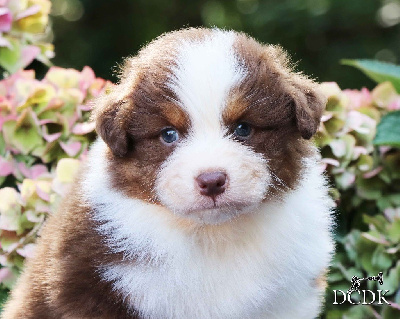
[208,123]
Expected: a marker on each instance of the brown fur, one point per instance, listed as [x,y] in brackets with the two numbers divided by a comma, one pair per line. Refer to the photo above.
[270,100]
[62,281]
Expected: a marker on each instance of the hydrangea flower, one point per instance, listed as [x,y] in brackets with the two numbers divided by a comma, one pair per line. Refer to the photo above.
[23,25]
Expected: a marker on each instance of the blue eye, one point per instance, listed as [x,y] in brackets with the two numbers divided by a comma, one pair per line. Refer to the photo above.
[243,130]
[169,135]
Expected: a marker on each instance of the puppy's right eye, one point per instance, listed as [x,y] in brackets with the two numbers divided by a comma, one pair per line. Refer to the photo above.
[169,135]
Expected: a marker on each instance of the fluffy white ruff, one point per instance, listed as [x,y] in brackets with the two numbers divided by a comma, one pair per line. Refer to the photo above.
[260,265]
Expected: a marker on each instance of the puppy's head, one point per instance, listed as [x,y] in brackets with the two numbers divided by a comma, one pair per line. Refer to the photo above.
[208,123]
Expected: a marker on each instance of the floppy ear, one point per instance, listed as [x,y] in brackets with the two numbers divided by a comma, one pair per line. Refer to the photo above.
[307,98]
[309,104]
[110,119]
[111,110]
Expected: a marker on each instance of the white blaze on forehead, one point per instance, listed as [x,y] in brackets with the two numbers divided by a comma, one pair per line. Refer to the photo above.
[206,70]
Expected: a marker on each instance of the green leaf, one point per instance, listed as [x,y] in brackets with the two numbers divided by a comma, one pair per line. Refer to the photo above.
[392,280]
[378,221]
[388,131]
[10,57]
[377,71]
[394,231]
[381,259]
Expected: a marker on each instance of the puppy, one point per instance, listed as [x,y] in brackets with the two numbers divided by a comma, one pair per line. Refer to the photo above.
[202,198]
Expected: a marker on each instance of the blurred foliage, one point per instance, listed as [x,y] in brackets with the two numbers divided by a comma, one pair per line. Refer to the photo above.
[45,132]
[378,71]
[23,28]
[317,33]
[367,189]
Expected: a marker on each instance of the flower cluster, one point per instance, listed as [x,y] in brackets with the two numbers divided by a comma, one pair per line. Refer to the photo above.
[44,133]
[23,27]
[366,181]
[345,139]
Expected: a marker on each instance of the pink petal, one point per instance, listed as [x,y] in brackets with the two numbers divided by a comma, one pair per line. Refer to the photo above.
[384,149]
[6,168]
[5,273]
[28,12]
[331,161]
[373,173]
[72,120]
[28,54]
[32,172]
[366,95]
[86,107]
[38,170]
[83,128]
[357,98]
[27,251]
[24,170]
[71,148]
[358,150]
[43,195]
[39,208]
[322,167]
[5,19]
[394,105]
[46,121]
[87,77]
[51,137]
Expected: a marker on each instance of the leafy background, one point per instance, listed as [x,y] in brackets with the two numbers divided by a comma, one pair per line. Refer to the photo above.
[44,111]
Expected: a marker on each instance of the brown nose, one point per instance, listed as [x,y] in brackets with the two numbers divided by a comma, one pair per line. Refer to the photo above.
[211,184]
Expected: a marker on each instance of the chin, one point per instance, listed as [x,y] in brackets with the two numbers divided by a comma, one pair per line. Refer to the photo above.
[201,198]
[217,214]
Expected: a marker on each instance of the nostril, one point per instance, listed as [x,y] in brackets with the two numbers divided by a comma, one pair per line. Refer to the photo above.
[202,185]
[211,183]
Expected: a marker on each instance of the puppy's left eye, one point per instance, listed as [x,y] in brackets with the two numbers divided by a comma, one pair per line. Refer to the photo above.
[242,130]
[169,135]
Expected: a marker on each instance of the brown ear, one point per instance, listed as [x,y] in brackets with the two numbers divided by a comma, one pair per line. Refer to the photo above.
[309,104]
[112,109]
[110,124]
[308,100]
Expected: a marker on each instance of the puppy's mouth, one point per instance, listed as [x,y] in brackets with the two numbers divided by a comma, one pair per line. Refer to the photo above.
[217,211]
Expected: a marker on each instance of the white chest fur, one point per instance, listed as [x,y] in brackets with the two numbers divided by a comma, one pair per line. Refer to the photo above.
[261,265]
